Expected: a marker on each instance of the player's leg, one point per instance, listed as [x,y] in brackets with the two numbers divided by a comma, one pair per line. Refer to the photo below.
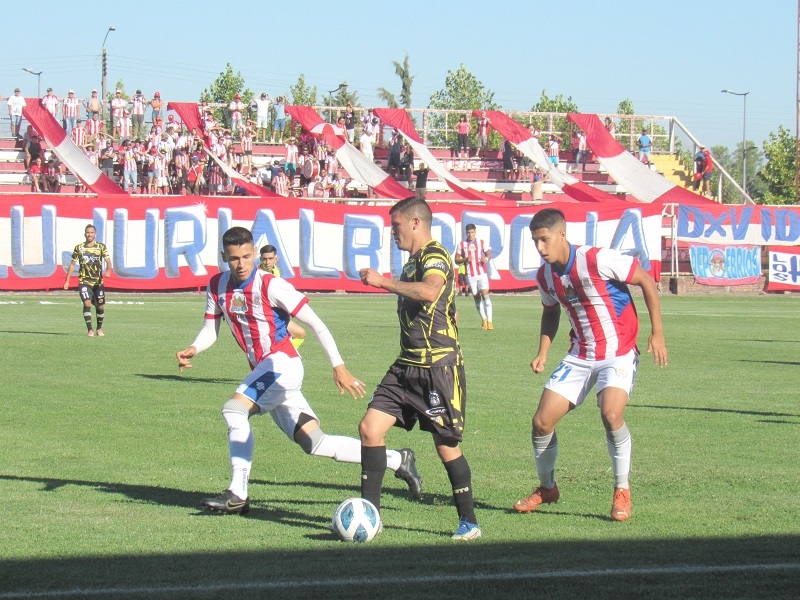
[476,296]
[100,308]
[565,389]
[87,299]
[372,429]
[487,301]
[614,384]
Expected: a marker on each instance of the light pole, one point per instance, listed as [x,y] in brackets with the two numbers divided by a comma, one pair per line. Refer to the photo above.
[342,86]
[103,80]
[744,136]
[38,80]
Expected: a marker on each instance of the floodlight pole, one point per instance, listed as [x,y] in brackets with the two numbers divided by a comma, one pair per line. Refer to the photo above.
[744,136]
[104,73]
[38,80]
[330,100]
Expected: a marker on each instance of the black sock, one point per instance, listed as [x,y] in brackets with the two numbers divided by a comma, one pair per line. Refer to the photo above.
[373,467]
[87,316]
[461,480]
[100,315]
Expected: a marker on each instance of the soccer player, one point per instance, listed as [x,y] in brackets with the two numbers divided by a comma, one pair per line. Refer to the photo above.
[269,263]
[473,253]
[257,306]
[91,254]
[592,285]
[426,383]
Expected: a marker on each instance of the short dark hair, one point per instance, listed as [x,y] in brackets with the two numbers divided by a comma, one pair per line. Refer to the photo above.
[547,218]
[236,236]
[267,248]
[413,207]
[470,227]
[90,226]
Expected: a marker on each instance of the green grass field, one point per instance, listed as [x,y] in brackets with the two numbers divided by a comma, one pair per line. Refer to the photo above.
[107,450]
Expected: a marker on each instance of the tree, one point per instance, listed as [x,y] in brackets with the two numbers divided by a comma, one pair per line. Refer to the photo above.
[464,92]
[223,90]
[302,93]
[545,104]
[406,79]
[779,170]
[341,99]
[111,94]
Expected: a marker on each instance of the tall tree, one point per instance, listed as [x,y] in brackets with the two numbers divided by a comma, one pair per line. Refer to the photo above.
[557,104]
[462,91]
[403,71]
[302,93]
[779,170]
[222,91]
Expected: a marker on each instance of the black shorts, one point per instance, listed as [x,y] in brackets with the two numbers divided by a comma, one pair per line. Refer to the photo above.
[95,293]
[436,397]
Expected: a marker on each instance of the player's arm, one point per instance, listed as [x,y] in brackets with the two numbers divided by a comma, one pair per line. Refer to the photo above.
[341,376]
[70,271]
[551,317]
[205,339]
[427,290]
[487,255]
[108,270]
[656,343]
[459,258]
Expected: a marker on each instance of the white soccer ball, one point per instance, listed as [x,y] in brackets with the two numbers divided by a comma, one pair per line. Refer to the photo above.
[356,520]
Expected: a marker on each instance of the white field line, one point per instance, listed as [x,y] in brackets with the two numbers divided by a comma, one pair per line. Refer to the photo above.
[405,580]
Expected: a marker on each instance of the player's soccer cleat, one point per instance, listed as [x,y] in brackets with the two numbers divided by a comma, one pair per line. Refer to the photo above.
[226,503]
[90,333]
[484,324]
[466,531]
[489,326]
[540,495]
[100,333]
[408,472]
[621,506]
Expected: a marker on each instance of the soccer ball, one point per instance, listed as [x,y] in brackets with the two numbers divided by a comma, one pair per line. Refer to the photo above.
[356,520]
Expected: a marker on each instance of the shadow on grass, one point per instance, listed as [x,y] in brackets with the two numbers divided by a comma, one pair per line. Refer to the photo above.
[754,567]
[772,362]
[752,413]
[187,379]
[37,332]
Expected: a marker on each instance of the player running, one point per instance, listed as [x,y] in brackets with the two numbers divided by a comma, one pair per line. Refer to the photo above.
[473,253]
[426,383]
[91,254]
[257,307]
[591,284]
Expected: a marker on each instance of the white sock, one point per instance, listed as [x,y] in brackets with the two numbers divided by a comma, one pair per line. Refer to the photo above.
[619,449]
[479,306]
[545,451]
[346,449]
[241,443]
[487,303]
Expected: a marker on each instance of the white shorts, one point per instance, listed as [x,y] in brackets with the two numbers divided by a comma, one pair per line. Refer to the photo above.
[574,377]
[478,283]
[275,386]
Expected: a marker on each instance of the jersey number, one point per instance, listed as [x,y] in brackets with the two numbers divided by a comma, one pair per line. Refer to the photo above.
[561,372]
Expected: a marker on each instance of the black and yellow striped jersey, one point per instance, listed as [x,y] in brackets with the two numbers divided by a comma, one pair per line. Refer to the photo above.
[428,332]
[90,259]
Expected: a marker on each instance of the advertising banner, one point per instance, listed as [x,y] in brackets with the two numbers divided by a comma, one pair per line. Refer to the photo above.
[173,242]
[784,269]
[725,265]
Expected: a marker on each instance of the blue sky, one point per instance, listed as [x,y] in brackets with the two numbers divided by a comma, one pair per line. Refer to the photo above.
[669,58]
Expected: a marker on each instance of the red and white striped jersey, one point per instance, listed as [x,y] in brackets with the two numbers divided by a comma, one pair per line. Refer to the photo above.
[281,184]
[593,290]
[257,311]
[139,103]
[473,252]
[291,153]
[236,107]
[129,160]
[247,143]
[118,106]
[320,152]
[125,127]
[70,107]
[50,102]
[331,164]
[483,126]
[78,135]
[552,148]
[94,127]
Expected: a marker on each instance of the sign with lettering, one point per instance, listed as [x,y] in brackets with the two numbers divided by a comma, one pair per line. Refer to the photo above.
[784,269]
[173,243]
[725,265]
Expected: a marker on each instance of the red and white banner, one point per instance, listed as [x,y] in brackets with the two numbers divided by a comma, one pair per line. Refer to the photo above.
[636,177]
[66,150]
[784,269]
[399,119]
[173,242]
[357,165]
